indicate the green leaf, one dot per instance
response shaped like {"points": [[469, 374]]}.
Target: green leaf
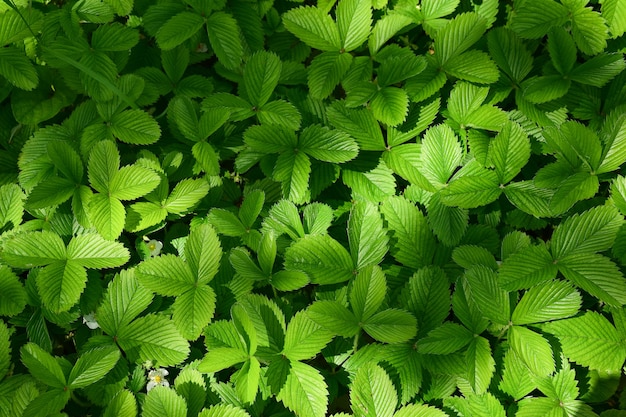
{"points": [[597, 275], [419, 410], [440, 154], [562, 50], [223, 32], [93, 365], [60, 284], [27, 250], [326, 72], [305, 392], [534, 19], [368, 292], [327, 145], [153, 338], [203, 253], [132, 182], [260, 76], [472, 191], [509, 53], [193, 310], [445, 339], [17, 68], [391, 326], [305, 338], [324, 259], [17, 24], [92, 251], [614, 140], [124, 299], [374, 185], [13, 296], [284, 218], [458, 35], [598, 70], [289, 280], [143, 215], [481, 365], [358, 123], [5, 349], [413, 243], [66, 160], [509, 151], [530, 266], [366, 236], [545, 88], [526, 196], [183, 111], [281, 113], [104, 162], [247, 380], [373, 393], [107, 214], [448, 223], [11, 205], [178, 29], [483, 288], [354, 20], [334, 317], [167, 275], [162, 401], [589, 340], [468, 256], [185, 195], [474, 66], [589, 232], [385, 28], [405, 160], [293, 169], [251, 208], [533, 349], [220, 358], [135, 127], [114, 37], [51, 192], [614, 12], [122, 405], [589, 31], [465, 107], [270, 139], [390, 105], [49, 403], [42, 365], [548, 301], [516, 380], [577, 187], [225, 103], [223, 410], [314, 27]]}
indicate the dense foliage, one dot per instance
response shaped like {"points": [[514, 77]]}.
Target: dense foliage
{"points": [[230, 208]]}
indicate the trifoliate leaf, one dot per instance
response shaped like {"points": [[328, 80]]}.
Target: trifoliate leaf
{"points": [[354, 20], [324, 259], [533, 349], [589, 340], [334, 317], [32, 249], [305, 392], [480, 364], [391, 326], [164, 401], [474, 66], [413, 243], [534, 19], [153, 338], [260, 77], [42, 365], [314, 27], [358, 123], [440, 154], [597, 275], [445, 339], [509, 53], [548, 301], [366, 236], [305, 338], [327, 145], [458, 35], [530, 266], [484, 289], [135, 127], [326, 72], [93, 365], [223, 32], [390, 105], [193, 310], [373, 393]]}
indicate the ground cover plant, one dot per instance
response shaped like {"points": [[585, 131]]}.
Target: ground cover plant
{"points": [[337, 208]]}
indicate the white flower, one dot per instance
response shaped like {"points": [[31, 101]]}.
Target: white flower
{"points": [[90, 321], [157, 377], [154, 246]]}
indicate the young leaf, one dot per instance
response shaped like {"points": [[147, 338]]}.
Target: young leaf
{"points": [[305, 392], [164, 401], [305, 338], [589, 340], [533, 349], [548, 301], [373, 392], [613, 13], [261, 75], [223, 32], [93, 365], [324, 259], [366, 236], [314, 27]]}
